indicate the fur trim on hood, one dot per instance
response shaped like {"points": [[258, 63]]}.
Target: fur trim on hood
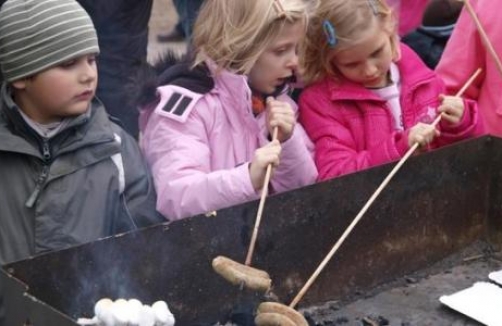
{"points": [[169, 70]]}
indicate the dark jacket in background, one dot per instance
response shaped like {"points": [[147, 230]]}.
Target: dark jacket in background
{"points": [[122, 27], [87, 182], [429, 43], [187, 14], [438, 22]]}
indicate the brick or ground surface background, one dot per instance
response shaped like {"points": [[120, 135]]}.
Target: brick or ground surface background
{"points": [[162, 21]]}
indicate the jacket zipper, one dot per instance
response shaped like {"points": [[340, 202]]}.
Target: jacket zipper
{"points": [[42, 178]]}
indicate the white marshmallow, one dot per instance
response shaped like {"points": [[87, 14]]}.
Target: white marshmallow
{"points": [[130, 313], [147, 316], [135, 310], [87, 321], [120, 312], [104, 303], [163, 316], [103, 311]]}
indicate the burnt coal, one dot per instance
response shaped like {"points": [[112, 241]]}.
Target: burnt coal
{"points": [[341, 320], [375, 321], [243, 314], [411, 280]]}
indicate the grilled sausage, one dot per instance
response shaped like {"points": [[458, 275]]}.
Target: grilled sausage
{"points": [[278, 308], [237, 274], [272, 319]]}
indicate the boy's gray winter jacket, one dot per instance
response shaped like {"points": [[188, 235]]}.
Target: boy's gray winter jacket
{"points": [[87, 182]]}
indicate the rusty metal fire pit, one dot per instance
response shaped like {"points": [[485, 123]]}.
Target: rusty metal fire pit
{"points": [[439, 204]]}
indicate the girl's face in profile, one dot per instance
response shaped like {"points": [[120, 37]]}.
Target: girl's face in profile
{"points": [[279, 60], [368, 61]]}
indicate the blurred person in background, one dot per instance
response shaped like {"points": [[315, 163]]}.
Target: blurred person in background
{"points": [[429, 39], [122, 27], [187, 13]]}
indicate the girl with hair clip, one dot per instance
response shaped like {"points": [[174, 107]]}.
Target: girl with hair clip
{"points": [[369, 98], [209, 137]]}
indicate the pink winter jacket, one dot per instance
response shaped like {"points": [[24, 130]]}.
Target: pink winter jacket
{"points": [[465, 53], [353, 129], [200, 152]]}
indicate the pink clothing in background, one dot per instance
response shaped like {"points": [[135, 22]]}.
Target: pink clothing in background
{"points": [[200, 159], [353, 129], [409, 13], [464, 53]]}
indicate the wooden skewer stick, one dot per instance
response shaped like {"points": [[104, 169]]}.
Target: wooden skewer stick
{"points": [[349, 229], [484, 36], [264, 193]]}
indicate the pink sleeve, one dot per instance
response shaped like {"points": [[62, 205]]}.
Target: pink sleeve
{"points": [[179, 156], [464, 53], [470, 126], [336, 149], [297, 167]]}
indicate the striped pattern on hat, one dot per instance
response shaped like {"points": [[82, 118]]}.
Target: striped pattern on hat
{"points": [[38, 34]]}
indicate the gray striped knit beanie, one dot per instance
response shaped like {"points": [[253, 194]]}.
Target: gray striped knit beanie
{"points": [[38, 34]]}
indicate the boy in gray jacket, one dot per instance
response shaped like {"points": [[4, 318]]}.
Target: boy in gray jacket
{"points": [[68, 174]]}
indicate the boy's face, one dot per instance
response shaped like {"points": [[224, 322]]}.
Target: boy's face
{"points": [[58, 92], [277, 63]]}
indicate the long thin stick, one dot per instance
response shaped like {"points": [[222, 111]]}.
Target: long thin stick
{"points": [[345, 234], [264, 193], [484, 36]]}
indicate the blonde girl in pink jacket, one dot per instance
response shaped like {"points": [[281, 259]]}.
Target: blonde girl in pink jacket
{"points": [[464, 53], [368, 98], [208, 137]]}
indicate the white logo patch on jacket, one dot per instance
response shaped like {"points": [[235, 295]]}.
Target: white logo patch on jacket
{"points": [[176, 102], [119, 163]]}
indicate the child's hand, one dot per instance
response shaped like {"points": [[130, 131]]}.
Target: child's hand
{"points": [[451, 109], [422, 133], [280, 114], [268, 154]]}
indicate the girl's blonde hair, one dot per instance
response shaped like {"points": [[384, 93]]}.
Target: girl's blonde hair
{"points": [[234, 33], [348, 21]]}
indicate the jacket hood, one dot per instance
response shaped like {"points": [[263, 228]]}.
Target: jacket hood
{"points": [[169, 70]]}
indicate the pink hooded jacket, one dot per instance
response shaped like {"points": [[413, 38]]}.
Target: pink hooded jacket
{"points": [[464, 53], [199, 147], [353, 129]]}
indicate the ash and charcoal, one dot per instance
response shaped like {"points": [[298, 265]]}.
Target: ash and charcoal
{"points": [[242, 314], [411, 300]]}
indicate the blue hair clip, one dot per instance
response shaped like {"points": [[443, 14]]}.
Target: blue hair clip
{"points": [[330, 33]]}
